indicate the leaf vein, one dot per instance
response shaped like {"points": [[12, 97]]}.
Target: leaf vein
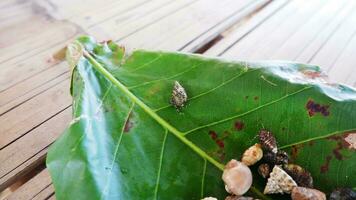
{"points": [[167, 78], [247, 112], [107, 184], [160, 163], [203, 181], [212, 89]]}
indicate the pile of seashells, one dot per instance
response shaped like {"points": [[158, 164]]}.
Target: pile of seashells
{"points": [[283, 177]]}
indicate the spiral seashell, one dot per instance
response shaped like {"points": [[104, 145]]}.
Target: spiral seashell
{"points": [[279, 182]]}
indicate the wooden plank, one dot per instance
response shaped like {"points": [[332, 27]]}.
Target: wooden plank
{"points": [[343, 70], [39, 187], [66, 9], [32, 86], [232, 35], [32, 61], [332, 40], [197, 43], [317, 28], [178, 29], [136, 19], [29, 151], [23, 118], [265, 43], [270, 34], [320, 40]]}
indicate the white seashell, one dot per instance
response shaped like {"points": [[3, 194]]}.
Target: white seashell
{"points": [[279, 182], [252, 155], [237, 177], [209, 198]]}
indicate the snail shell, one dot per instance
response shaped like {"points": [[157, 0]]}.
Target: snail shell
{"points": [[264, 170], [301, 176], [252, 155], [279, 182]]}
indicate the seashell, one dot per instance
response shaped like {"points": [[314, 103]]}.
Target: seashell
{"points": [[279, 182], [209, 198], [343, 194], [252, 155], [281, 158], [302, 193], [301, 176], [269, 157], [268, 141], [233, 197], [264, 170], [237, 177], [179, 96]]}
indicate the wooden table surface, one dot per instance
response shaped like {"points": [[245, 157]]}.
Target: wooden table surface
{"points": [[35, 105]]}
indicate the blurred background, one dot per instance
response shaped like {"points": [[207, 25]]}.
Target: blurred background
{"points": [[35, 104]]}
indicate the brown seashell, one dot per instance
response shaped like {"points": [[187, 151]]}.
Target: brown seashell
{"points": [[281, 158], [237, 177], [269, 157], [301, 176], [302, 193], [268, 141], [264, 170], [252, 155], [343, 194], [279, 182]]}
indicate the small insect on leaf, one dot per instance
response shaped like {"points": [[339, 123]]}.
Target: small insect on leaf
{"points": [[179, 96]]}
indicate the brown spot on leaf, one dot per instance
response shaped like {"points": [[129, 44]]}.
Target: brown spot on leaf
{"points": [[213, 135], [239, 125], [128, 124], [314, 108], [256, 98], [246, 97], [311, 143], [295, 151], [220, 143], [325, 167]]}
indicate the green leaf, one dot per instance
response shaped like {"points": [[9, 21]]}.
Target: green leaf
{"points": [[127, 142]]}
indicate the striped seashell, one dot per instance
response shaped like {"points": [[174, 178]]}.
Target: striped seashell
{"points": [[268, 141], [279, 182]]}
